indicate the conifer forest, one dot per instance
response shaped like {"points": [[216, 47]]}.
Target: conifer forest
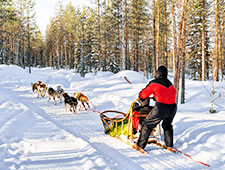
{"points": [[187, 36]]}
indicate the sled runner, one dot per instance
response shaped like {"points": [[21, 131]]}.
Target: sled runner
{"points": [[125, 127]]}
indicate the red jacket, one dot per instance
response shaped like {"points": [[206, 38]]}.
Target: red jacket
{"points": [[162, 89]]}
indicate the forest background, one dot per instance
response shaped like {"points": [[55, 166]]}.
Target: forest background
{"points": [[187, 36]]}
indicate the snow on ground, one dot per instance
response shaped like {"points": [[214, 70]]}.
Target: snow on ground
{"points": [[36, 134]]}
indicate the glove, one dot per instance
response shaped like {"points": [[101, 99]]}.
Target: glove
{"points": [[135, 105], [145, 102]]}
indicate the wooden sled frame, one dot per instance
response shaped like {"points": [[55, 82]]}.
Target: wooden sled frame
{"points": [[109, 121]]}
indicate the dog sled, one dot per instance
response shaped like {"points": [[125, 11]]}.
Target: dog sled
{"points": [[125, 126]]}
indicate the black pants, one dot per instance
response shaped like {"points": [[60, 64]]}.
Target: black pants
{"points": [[160, 112]]}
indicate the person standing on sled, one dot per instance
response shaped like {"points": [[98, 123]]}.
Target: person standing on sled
{"points": [[165, 107]]}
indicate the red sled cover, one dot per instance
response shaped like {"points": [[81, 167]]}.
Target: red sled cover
{"points": [[135, 120]]}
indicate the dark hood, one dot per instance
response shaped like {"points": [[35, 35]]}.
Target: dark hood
{"points": [[161, 72]]}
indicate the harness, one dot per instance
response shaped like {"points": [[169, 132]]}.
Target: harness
{"points": [[80, 96], [51, 91], [60, 91], [72, 102], [69, 99], [42, 85]]}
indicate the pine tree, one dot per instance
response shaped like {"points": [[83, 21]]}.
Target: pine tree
{"points": [[221, 20], [138, 15], [71, 34], [7, 18], [194, 39]]}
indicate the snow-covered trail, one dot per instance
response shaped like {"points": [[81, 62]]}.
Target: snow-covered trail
{"points": [[55, 141], [87, 127], [36, 134]]}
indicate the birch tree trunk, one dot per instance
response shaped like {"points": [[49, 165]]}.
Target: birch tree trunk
{"points": [[212, 100], [212, 91]]}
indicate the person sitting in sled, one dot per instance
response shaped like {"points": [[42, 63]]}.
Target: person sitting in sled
{"points": [[141, 107], [164, 110]]}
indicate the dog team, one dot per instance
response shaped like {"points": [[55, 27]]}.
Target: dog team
{"points": [[72, 101]]}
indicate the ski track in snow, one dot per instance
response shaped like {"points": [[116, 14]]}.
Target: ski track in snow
{"points": [[51, 136]]}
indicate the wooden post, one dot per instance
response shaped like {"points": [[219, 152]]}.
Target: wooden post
{"points": [[128, 126], [131, 125], [159, 129]]}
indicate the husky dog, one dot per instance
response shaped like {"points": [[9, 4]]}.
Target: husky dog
{"points": [[53, 93], [59, 90], [43, 88], [70, 101], [40, 88], [82, 98]]}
